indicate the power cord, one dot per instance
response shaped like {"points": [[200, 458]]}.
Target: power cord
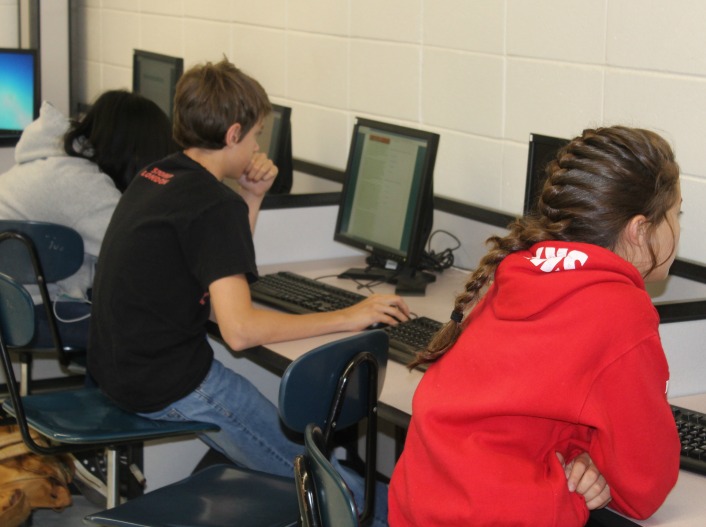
{"points": [[437, 262]]}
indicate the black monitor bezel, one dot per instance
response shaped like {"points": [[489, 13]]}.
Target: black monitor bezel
{"points": [[536, 176], [281, 154], [177, 64], [424, 205], [10, 137]]}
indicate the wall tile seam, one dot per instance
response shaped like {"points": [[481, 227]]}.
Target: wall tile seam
{"points": [[609, 67], [700, 178], [155, 16], [658, 73], [259, 27]]}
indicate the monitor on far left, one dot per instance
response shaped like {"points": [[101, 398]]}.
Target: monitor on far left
{"points": [[155, 76], [19, 92]]}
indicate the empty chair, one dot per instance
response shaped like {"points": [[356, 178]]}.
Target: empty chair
{"points": [[39, 253], [333, 386], [72, 420]]}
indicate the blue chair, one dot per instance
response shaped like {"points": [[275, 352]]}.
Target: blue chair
{"points": [[324, 499], [73, 420], [41, 253], [337, 386], [333, 386]]}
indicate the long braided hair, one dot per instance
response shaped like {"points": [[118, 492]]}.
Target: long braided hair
{"points": [[594, 186]]}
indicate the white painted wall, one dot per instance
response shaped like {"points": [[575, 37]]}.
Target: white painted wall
{"points": [[482, 73], [9, 29]]}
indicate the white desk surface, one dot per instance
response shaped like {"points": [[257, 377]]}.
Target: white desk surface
{"points": [[684, 507], [686, 504], [437, 304]]}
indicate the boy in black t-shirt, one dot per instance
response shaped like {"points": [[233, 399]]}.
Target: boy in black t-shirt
{"points": [[178, 249]]}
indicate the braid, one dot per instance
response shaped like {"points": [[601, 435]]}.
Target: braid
{"points": [[594, 186], [524, 232]]}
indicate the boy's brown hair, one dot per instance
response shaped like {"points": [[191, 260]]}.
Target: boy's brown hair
{"points": [[210, 98]]}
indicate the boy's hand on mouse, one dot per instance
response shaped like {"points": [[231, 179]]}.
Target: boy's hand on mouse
{"points": [[386, 309], [584, 478]]}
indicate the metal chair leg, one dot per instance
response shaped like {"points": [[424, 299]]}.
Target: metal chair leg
{"points": [[25, 373], [113, 477]]}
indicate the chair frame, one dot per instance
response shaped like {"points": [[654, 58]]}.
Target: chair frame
{"points": [[364, 357], [311, 487], [21, 417], [335, 416], [21, 313], [63, 353]]}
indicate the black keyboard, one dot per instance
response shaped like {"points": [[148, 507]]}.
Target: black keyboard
{"points": [[409, 337], [692, 433], [298, 294]]}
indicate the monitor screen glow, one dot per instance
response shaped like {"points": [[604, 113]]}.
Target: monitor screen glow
{"points": [[19, 92]]}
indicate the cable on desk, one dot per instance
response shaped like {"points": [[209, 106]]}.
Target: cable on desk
{"points": [[437, 262], [369, 284]]}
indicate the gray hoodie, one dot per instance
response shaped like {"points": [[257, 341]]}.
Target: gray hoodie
{"points": [[46, 184]]}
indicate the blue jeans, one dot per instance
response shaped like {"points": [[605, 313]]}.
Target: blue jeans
{"points": [[251, 433]]}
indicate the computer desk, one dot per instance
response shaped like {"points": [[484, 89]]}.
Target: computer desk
{"points": [[684, 507]]}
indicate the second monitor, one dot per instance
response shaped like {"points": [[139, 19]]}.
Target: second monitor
{"points": [[387, 202], [542, 149], [155, 76], [276, 141]]}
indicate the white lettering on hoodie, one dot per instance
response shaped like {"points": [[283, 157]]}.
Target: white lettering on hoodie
{"points": [[550, 259]]}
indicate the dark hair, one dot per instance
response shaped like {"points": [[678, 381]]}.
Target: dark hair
{"points": [[122, 132], [210, 98], [595, 186]]}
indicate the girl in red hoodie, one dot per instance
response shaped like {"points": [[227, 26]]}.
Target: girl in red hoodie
{"points": [[547, 393]]}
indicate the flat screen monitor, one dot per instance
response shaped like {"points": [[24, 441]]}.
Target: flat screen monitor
{"points": [[542, 149], [155, 76], [387, 202], [19, 92], [276, 141]]}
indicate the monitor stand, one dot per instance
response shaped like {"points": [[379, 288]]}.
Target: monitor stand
{"points": [[376, 274], [412, 282], [408, 281]]}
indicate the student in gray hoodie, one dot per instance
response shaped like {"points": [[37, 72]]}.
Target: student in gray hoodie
{"points": [[73, 173]]}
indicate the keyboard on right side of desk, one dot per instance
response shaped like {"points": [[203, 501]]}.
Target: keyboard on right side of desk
{"points": [[409, 337], [691, 426], [294, 293]]}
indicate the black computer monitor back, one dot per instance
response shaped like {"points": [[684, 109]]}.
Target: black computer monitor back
{"points": [[542, 149]]}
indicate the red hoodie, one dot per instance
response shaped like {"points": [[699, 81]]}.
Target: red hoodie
{"points": [[561, 355]]}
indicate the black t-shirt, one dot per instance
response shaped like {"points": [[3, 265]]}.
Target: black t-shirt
{"points": [[176, 230]]}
